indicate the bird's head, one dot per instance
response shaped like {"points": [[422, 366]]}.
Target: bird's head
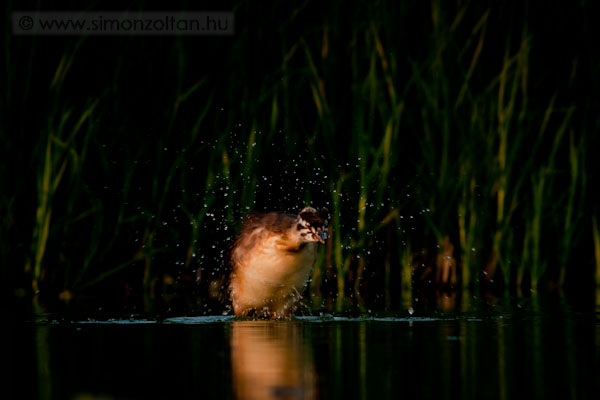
{"points": [[312, 224]]}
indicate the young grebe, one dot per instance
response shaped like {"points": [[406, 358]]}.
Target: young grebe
{"points": [[272, 259]]}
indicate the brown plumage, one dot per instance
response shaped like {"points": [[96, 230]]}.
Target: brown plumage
{"points": [[272, 259]]}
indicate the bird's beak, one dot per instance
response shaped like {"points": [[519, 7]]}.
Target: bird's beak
{"points": [[322, 236]]}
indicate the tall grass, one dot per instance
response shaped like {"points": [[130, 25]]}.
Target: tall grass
{"points": [[419, 127]]}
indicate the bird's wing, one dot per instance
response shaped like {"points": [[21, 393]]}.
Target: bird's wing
{"points": [[256, 227]]}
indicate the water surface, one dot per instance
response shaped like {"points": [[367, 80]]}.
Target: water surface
{"points": [[495, 355]]}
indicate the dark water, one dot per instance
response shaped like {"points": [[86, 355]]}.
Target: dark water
{"points": [[496, 354]]}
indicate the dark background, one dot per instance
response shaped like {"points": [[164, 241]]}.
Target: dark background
{"points": [[165, 143]]}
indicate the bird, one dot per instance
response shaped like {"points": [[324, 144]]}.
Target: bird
{"points": [[272, 259]]}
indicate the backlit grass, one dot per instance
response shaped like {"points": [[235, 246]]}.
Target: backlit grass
{"points": [[422, 128]]}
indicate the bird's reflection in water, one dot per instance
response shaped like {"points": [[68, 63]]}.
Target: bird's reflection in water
{"points": [[270, 360]]}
